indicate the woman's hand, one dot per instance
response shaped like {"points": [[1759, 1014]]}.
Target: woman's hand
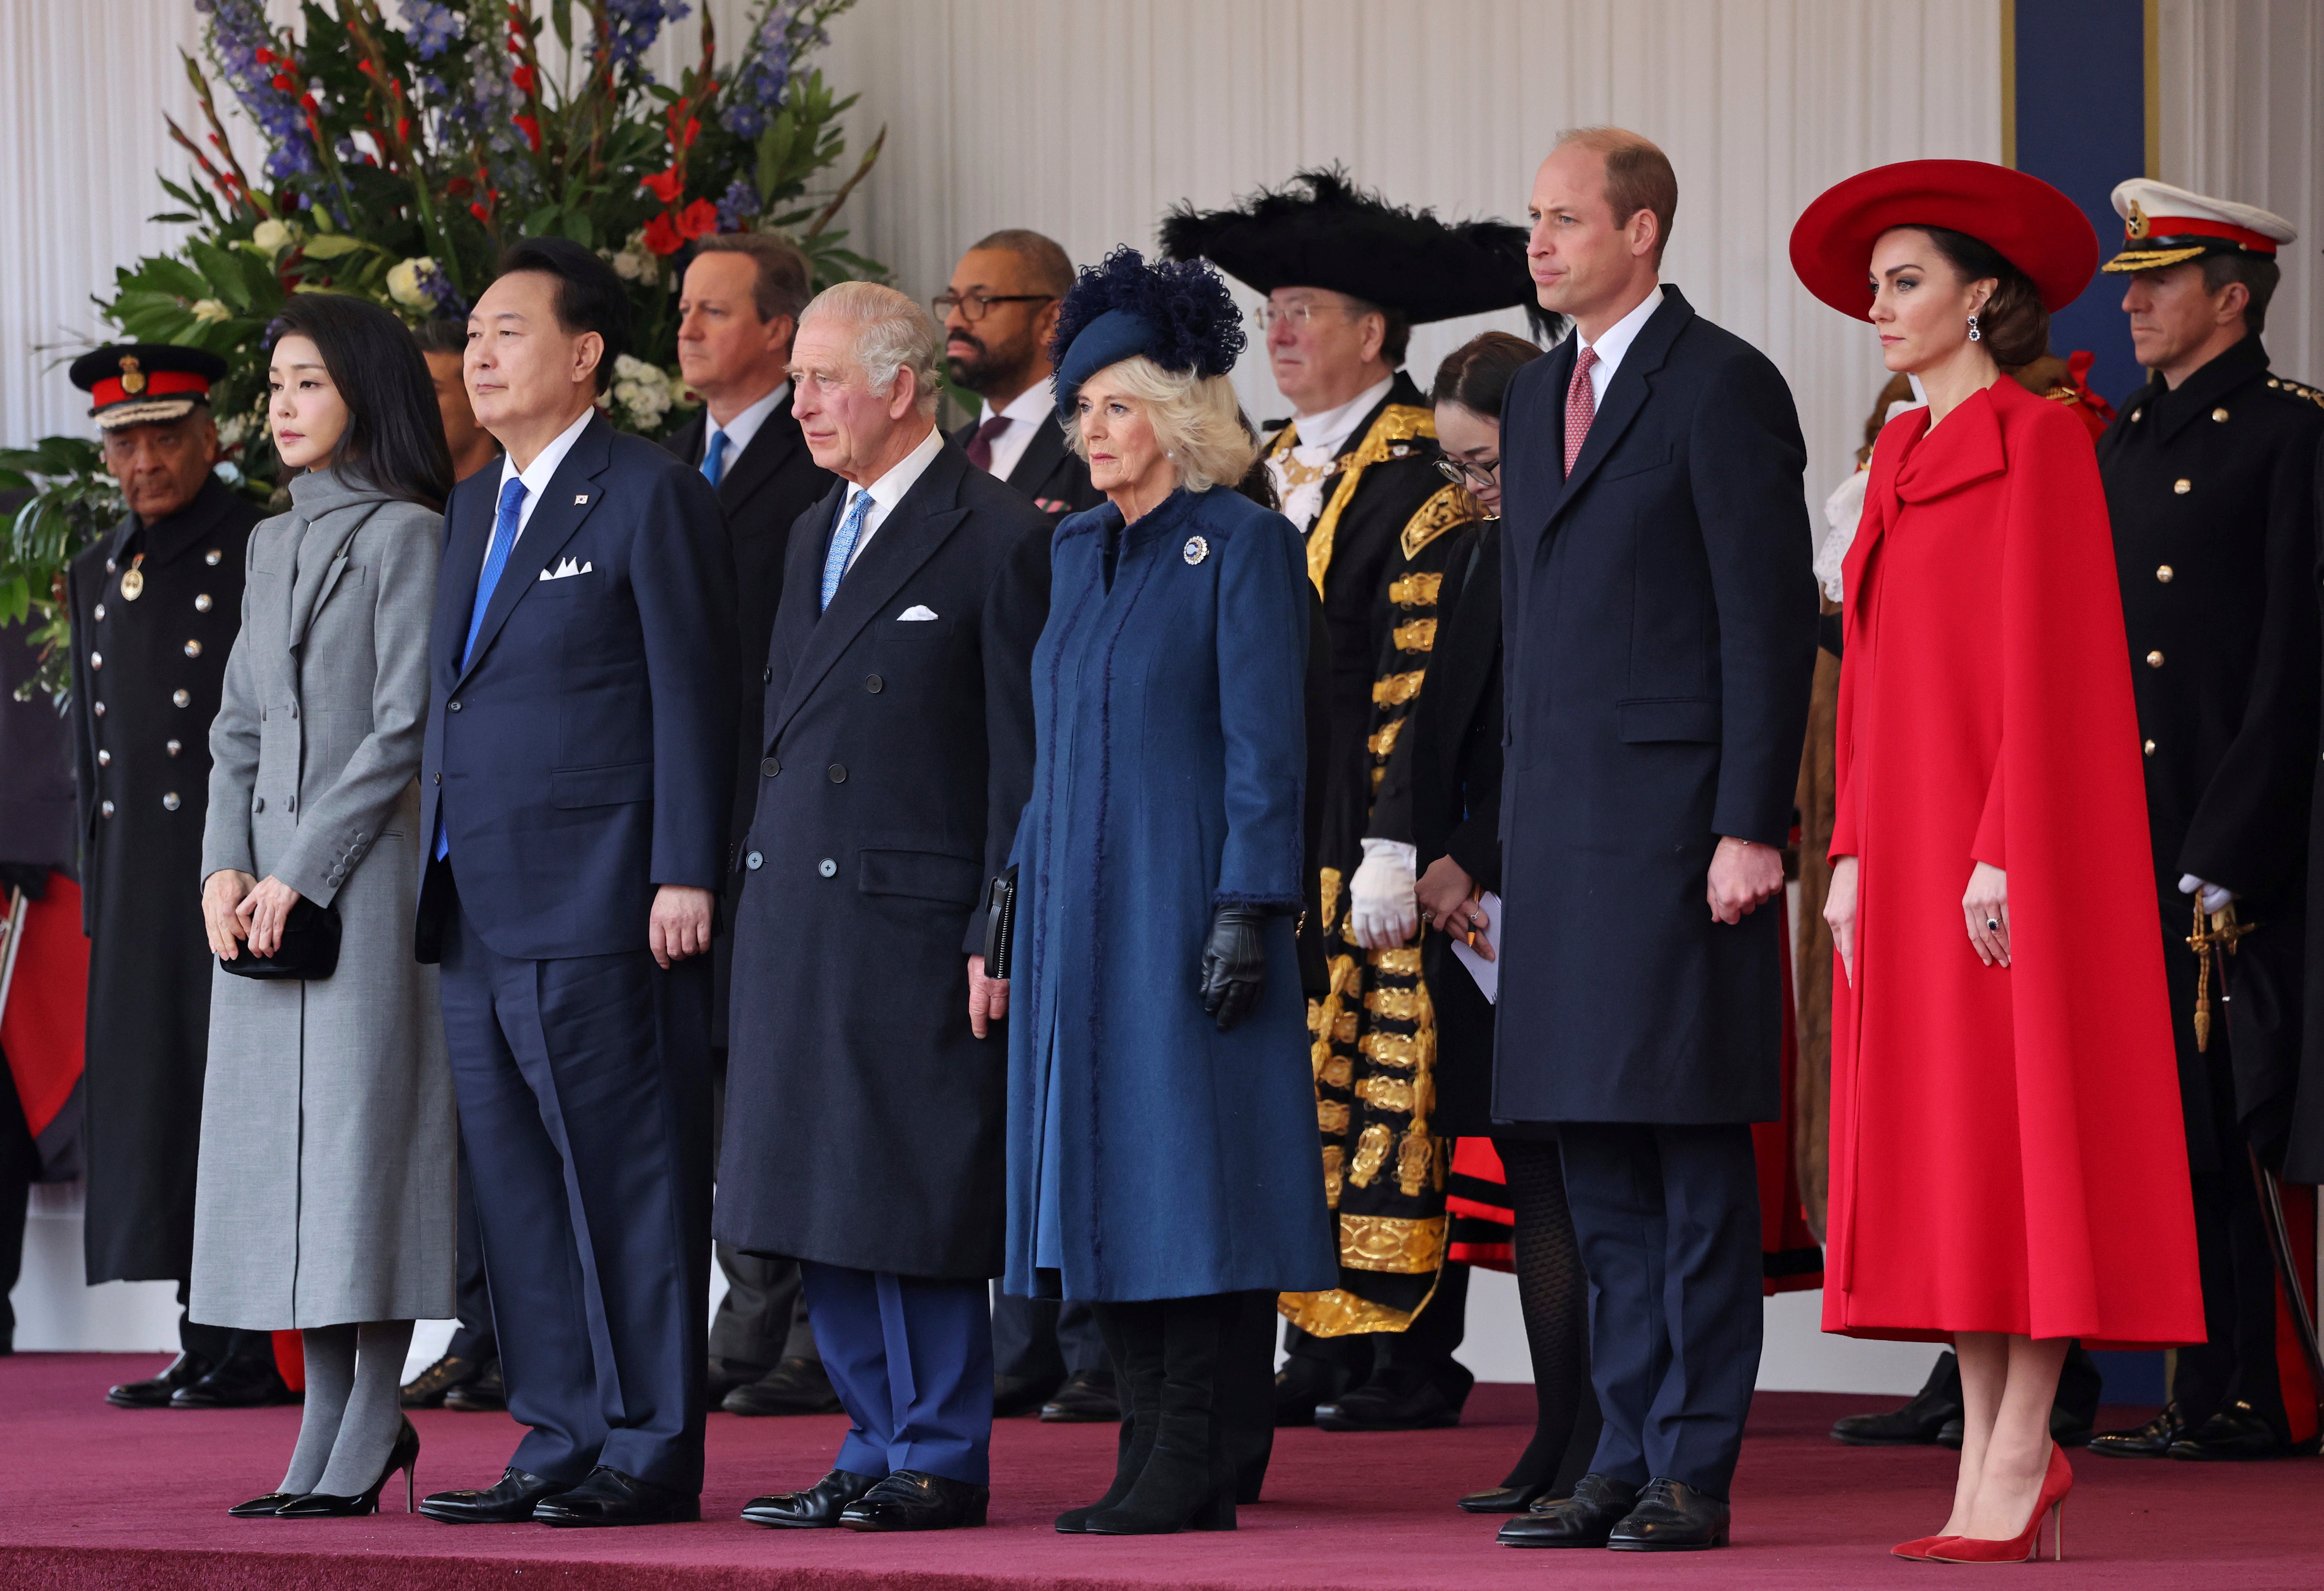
{"points": [[222, 892], [1234, 965], [1840, 914], [262, 913], [1446, 894], [1986, 907]]}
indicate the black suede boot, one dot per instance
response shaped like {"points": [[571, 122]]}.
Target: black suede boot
{"points": [[1187, 1481], [1133, 1341]]}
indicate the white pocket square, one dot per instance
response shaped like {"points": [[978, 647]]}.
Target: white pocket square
{"points": [[916, 614], [566, 569]]}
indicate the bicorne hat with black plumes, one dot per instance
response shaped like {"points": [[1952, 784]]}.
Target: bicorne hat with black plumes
{"points": [[1321, 230], [1178, 314]]}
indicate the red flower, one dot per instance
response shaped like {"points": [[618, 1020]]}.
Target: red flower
{"points": [[403, 129], [693, 130], [308, 102], [264, 56], [664, 186], [532, 125], [457, 187], [285, 81], [366, 69], [662, 236], [481, 213], [525, 79], [698, 220]]}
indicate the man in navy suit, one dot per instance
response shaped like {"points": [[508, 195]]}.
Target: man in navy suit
{"points": [[1659, 621], [575, 787]]}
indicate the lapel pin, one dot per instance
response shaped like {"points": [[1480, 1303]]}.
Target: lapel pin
{"points": [[1196, 549], [581, 500]]}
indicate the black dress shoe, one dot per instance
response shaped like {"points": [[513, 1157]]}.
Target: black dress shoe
{"points": [[816, 1509], [510, 1502], [795, 1386], [2068, 1427], [2237, 1432], [427, 1389], [914, 1500], [2150, 1440], [238, 1383], [488, 1394], [1670, 1517], [265, 1507], [609, 1497], [1917, 1423], [1503, 1499], [720, 1376], [1302, 1384], [156, 1392], [1586, 1519], [1949, 1435], [1021, 1395], [1087, 1398], [1378, 1405]]}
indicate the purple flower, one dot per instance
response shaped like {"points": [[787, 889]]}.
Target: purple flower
{"points": [[784, 33], [237, 33], [430, 27], [449, 304], [740, 203], [636, 25]]}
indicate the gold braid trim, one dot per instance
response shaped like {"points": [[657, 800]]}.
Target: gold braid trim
{"points": [[1449, 510], [1385, 1242], [1338, 1312], [1415, 591], [1399, 423]]}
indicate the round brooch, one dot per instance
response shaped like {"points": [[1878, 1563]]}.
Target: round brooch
{"points": [[1196, 549]]}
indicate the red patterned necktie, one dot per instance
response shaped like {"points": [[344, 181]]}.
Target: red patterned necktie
{"points": [[1580, 405], [979, 446]]}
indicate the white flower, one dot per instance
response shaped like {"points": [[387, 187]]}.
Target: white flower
{"points": [[403, 283], [232, 430], [643, 393], [210, 311], [275, 237], [635, 262]]}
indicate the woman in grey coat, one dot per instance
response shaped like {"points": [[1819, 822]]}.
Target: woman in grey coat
{"points": [[325, 1199]]}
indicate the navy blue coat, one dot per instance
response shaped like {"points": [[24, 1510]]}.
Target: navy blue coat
{"points": [[1170, 733], [1659, 626], [584, 756]]}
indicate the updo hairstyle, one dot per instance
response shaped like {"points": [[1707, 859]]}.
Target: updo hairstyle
{"points": [[2016, 327]]}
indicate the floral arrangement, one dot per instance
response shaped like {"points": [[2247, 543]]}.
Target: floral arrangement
{"points": [[403, 155]]}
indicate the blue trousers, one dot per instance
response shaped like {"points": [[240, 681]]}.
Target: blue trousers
{"points": [[1668, 1222], [584, 1109], [912, 1360]]}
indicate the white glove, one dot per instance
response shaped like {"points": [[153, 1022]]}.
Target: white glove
{"points": [[2214, 897], [1381, 908]]}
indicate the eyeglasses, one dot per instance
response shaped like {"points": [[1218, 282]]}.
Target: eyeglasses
{"points": [[1266, 316], [974, 306], [1477, 477]]}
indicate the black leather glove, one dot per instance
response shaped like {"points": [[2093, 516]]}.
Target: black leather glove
{"points": [[1234, 963]]}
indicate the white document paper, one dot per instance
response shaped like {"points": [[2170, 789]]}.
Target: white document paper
{"points": [[1488, 974]]}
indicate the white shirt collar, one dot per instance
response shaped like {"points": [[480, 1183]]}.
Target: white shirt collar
{"points": [[889, 489], [1026, 413], [1332, 426], [537, 474], [744, 426], [1616, 339], [1026, 406]]}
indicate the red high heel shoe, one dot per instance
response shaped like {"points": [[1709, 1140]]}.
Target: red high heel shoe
{"points": [[1917, 1549], [2026, 1545]]}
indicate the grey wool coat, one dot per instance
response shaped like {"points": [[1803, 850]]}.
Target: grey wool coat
{"points": [[325, 1189]]}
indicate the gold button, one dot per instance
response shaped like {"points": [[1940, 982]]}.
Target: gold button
{"points": [[2163, 572], [193, 649], [2221, 415], [2150, 748], [2182, 485], [2270, 380], [2154, 660], [202, 603], [2137, 415], [211, 558]]}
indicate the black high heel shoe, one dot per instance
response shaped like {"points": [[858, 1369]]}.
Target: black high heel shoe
{"points": [[265, 1507], [1512, 1499], [404, 1456]]}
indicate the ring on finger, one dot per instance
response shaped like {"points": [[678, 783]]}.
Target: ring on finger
{"points": [[1993, 925]]}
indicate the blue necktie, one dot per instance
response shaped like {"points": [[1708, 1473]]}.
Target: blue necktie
{"points": [[843, 545], [496, 557], [714, 457]]}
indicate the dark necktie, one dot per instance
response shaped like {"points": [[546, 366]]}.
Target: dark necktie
{"points": [[979, 446], [1580, 406]]}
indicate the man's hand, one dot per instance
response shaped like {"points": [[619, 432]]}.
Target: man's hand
{"points": [[680, 926], [1446, 896], [1743, 876], [988, 998], [222, 892], [262, 913]]}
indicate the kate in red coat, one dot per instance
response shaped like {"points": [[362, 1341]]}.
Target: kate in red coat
{"points": [[1999, 1028]]}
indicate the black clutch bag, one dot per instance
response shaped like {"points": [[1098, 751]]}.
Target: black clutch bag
{"points": [[1000, 924], [310, 950]]}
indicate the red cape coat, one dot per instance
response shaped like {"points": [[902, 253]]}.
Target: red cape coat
{"points": [[2007, 1147]]}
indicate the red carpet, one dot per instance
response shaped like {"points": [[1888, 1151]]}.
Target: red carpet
{"points": [[92, 1496]]}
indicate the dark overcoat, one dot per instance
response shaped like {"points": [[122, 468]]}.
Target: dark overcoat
{"points": [[863, 1119], [1169, 706], [147, 673], [761, 491], [1660, 626], [1048, 473], [2210, 492]]}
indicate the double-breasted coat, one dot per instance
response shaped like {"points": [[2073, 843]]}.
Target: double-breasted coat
{"points": [[1151, 1155], [147, 671], [326, 1193], [863, 1119], [1660, 633]]}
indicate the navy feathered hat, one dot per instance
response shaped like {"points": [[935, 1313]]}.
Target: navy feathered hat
{"points": [[1180, 315], [1321, 230]]}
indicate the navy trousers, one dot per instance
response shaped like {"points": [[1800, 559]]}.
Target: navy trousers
{"points": [[1668, 1221], [584, 1108], [912, 1360], [1042, 1339]]}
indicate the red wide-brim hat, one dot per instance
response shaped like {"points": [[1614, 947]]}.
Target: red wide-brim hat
{"points": [[2026, 221]]}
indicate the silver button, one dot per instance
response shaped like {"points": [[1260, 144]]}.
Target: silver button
{"points": [[105, 759], [454, 705], [2137, 415], [212, 557], [176, 746], [107, 808], [2150, 748], [110, 566], [98, 708], [96, 660], [202, 603], [755, 860], [827, 867], [182, 697], [170, 802], [193, 649], [837, 773], [100, 610]]}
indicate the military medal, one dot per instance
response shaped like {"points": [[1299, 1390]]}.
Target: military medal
{"points": [[133, 581]]}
